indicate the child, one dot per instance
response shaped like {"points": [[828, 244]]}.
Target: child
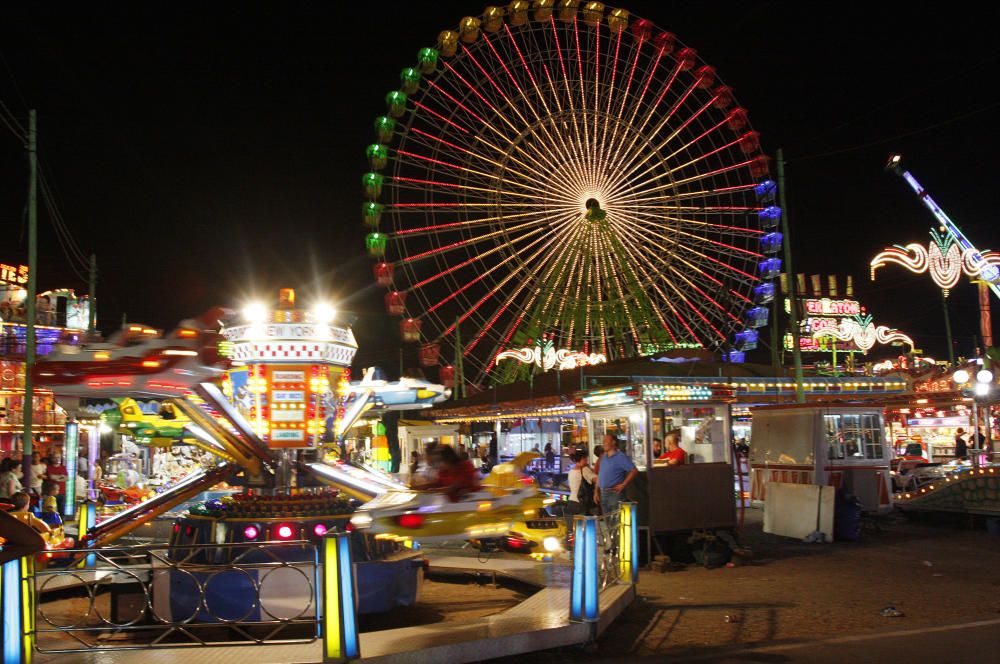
{"points": [[23, 513], [50, 506]]}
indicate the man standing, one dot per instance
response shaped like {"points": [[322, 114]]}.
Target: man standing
{"points": [[615, 473], [57, 473]]}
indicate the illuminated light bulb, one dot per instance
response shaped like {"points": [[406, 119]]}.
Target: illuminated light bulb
{"points": [[984, 376], [285, 531], [319, 529], [961, 376], [255, 312]]}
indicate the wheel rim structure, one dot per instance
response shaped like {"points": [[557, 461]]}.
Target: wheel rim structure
{"points": [[571, 173]]}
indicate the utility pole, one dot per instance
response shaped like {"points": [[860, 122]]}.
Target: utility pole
{"points": [[458, 391], [92, 323], [793, 317], [28, 407], [947, 329]]}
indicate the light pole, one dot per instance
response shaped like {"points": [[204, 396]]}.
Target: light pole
{"points": [[981, 389]]}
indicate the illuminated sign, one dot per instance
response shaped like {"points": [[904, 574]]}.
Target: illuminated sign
{"points": [[939, 385], [864, 333], [545, 355], [288, 376], [676, 393], [14, 276], [311, 331], [827, 307], [288, 416], [938, 422], [943, 258], [822, 344], [288, 395], [288, 435]]}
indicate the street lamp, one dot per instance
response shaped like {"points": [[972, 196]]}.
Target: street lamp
{"points": [[981, 394]]}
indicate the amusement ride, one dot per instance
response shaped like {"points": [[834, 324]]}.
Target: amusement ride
{"points": [[570, 173]]}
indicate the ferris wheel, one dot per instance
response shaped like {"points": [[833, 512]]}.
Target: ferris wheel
{"points": [[567, 172]]}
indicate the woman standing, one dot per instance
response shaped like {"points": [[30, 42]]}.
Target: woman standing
{"points": [[9, 482], [581, 490]]}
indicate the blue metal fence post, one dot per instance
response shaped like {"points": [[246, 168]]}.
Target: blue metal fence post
{"points": [[583, 599], [337, 611], [17, 607], [591, 582]]}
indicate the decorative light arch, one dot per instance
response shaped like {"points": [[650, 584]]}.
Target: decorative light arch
{"points": [[944, 259]]}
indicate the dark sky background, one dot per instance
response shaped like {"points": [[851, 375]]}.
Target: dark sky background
{"points": [[211, 152]]}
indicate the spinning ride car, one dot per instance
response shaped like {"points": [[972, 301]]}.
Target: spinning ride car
{"points": [[503, 509]]}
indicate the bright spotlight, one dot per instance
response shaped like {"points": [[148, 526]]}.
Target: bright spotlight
{"points": [[984, 376], [982, 389], [961, 376], [255, 312], [551, 544], [323, 314]]}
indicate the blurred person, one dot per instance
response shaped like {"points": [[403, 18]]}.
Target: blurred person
{"points": [[57, 472], [10, 483], [22, 512], [51, 511], [456, 477], [598, 453], [550, 456], [582, 481], [657, 448], [961, 448], [39, 465]]}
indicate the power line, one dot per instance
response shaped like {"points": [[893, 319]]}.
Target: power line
{"points": [[10, 120], [890, 139]]}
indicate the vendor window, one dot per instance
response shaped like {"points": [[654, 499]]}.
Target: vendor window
{"points": [[853, 436], [629, 431]]}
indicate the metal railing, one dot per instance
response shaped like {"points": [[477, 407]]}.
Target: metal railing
{"points": [[144, 597], [609, 568]]}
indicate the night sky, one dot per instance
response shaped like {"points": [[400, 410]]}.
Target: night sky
{"points": [[208, 154]]}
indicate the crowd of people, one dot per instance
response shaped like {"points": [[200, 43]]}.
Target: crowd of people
{"points": [[45, 488]]}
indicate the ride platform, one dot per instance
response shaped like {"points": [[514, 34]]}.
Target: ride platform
{"points": [[974, 491], [540, 622]]}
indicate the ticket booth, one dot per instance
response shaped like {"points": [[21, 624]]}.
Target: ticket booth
{"points": [[698, 494]]}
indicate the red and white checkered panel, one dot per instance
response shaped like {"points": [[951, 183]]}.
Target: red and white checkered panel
{"points": [[309, 351]]}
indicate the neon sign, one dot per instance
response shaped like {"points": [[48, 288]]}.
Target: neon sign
{"points": [[864, 333], [944, 259], [545, 355], [827, 307], [15, 276]]}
